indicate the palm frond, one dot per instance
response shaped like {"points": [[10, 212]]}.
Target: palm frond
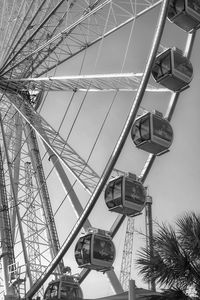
{"points": [[170, 294], [172, 263], [189, 233]]}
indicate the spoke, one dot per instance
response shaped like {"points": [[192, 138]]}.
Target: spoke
{"points": [[90, 83], [30, 196], [72, 160], [52, 43], [16, 24]]}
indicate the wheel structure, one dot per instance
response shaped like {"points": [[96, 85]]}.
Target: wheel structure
{"points": [[73, 75]]}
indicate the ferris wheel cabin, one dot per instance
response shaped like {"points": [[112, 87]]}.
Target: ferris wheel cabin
{"points": [[185, 14], [172, 70], [125, 195], [65, 288], [152, 133], [95, 251]]}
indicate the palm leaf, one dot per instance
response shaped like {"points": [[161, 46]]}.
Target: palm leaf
{"points": [[189, 233], [172, 263], [170, 294]]}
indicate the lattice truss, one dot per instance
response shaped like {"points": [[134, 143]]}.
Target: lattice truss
{"points": [[30, 228], [38, 36]]}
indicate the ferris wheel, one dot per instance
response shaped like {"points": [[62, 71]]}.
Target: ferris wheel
{"points": [[73, 77]]}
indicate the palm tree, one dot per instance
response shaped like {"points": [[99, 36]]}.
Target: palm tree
{"points": [[170, 294], [176, 256]]}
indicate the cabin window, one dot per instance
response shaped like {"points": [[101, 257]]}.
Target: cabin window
{"points": [[182, 64], [132, 192], [135, 133], [128, 189], [162, 129], [145, 129], [109, 191], [52, 291], [113, 193], [164, 66], [179, 6], [138, 193], [103, 249], [117, 192], [195, 5], [68, 292], [86, 248], [47, 293], [176, 7], [141, 130], [78, 253]]}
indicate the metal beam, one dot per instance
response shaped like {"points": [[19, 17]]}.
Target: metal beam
{"points": [[83, 83], [119, 146]]}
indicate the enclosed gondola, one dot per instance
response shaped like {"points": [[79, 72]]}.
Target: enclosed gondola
{"points": [[95, 250], [172, 70], [185, 14], [125, 195], [64, 288], [152, 133]]}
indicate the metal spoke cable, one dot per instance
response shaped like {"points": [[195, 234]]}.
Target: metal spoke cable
{"points": [[95, 65], [67, 109], [86, 92], [8, 24], [75, 181], [9, 47], [123, 64], [4, 43], [48, 175], [97, 58], [35, 32], [1, 18], [22, 145], [72, 97], [107, 114], [130, 35], [91, 152]]}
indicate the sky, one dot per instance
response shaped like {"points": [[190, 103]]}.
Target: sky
{"points": [[173, 181]]}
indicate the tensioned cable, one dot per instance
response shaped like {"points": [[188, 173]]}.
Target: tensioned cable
{"points": [[69, 104], [48, 175], [67, 194], [108, 112], [12, 117], [22, 143], [117, 151], [97, 58], [61, 126], [109, 109], [41, 106], [21, 147], [95, 65], [55, 69], [13, 27], [72, 97], [2, 14], [20, 27], [10, 75], [8, 24], [79, 110]]}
